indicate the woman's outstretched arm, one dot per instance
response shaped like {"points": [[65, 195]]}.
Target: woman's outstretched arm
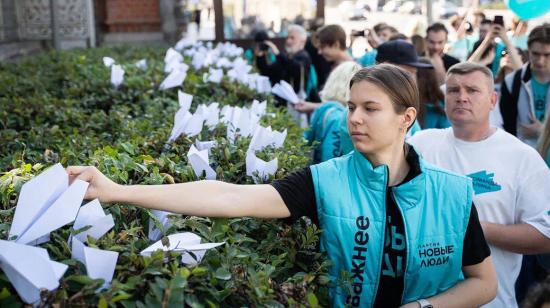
{"points": [[202, 198]]}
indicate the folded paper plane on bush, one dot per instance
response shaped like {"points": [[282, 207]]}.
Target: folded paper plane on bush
{"points": [[100, 264], [213, 75], [172, 59], [92, 215], [175, 78], [46, 203], [205, 145], [285, 91], [199, 163], [259, 169], [117, 75], [142, 64], [264, 136], [154, 233], [184, 100], [29, 269], [189, 244], [108, 61]]}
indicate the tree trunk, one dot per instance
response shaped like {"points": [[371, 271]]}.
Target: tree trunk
{"points": [[168, 20]]}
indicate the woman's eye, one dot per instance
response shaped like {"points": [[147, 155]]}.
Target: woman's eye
{"points": [[371, 109]]}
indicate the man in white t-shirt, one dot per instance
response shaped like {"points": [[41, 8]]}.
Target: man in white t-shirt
{"points": [[511, 181]]}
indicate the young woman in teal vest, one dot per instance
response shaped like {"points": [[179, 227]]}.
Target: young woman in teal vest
{"points": [[399, 231]]}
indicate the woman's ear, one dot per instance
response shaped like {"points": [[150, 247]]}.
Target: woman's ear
{"points": [[408, 117]]}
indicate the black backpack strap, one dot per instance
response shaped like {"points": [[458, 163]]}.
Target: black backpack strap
{"points": [[509, 104]]}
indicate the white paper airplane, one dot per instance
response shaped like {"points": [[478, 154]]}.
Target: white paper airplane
{"points": [[258, 108], [154, 233], [174, 79], [142, 64], [100, 264], [29, 269], [107, 61], [185, 100], [214, 75], [92, 214], [205, 145], [199, 163], [117, 75], [186, 243], [45, 204], [264, 137], [259, 169]]}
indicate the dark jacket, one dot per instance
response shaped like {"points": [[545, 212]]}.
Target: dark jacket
{"points": [[286, 68]]}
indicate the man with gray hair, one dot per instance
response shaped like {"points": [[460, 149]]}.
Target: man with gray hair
{"points": [[511, 181], [292, 65]]}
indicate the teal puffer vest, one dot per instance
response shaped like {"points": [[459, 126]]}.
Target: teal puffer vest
{"points": [[435, 206]]}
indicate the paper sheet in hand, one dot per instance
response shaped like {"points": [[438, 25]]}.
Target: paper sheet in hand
{"points": [[117, 75], [46, 204], [285, 91], [183, 242], [92, 214], [100, 264], [258, 169], [199, 163], [29, 269]]}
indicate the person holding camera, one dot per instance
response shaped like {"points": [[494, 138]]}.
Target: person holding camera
{"points": [[376, 36], [292, 65], [488, 52]]}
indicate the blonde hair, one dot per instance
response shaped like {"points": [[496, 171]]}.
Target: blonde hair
{"points": [[337, 85], [544, 140]]}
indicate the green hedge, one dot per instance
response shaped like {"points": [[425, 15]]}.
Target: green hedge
{"points": [[61, 107]]}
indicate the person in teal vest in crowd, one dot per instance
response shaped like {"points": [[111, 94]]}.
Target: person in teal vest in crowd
{"points": [[324, 124], [432, 99], [399, 232]]}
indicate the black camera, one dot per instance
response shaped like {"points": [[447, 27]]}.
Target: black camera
{"points": [[358, 33], [260, 37], [263, 46]]}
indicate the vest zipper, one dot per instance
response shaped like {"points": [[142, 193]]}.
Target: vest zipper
{"points": [[407, 250], [381, 258]]}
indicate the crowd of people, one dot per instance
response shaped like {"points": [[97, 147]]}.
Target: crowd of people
{"points": [[430, 176]]}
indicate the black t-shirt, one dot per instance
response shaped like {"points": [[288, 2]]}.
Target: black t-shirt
{"points": [[449, 61], [298, 193]]}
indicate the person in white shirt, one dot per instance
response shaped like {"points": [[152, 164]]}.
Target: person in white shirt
{"points": [[511, 181]]}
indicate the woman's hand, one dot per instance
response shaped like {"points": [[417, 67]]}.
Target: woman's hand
{"points": [[100, 187], [306, 107]]}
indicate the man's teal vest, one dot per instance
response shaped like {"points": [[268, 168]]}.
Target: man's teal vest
{"points": [[351, 205]]}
